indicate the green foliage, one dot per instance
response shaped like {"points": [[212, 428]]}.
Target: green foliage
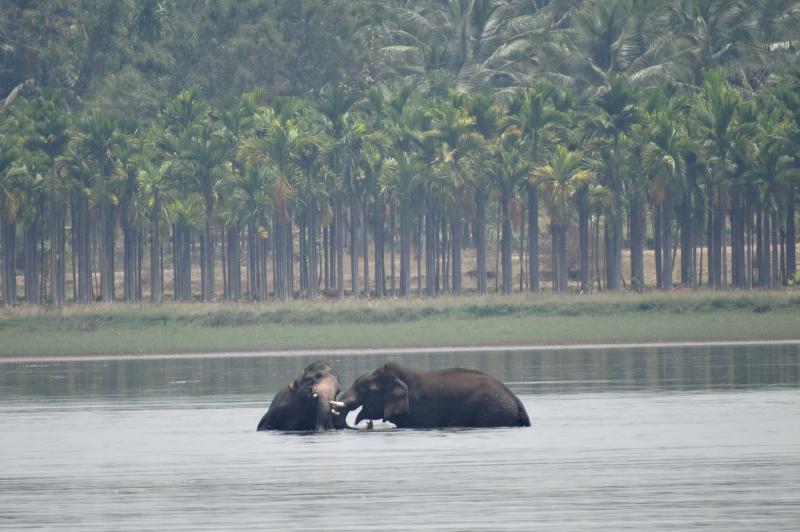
{"points": [[228, 112]]}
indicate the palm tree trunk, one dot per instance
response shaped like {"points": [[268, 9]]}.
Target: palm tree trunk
{"points": [[289, 259], [455, 242], [302, 247], [107, 254], [563, 271], [687, 246], [311, 219], [58, 254], [392, 225], [252, 251], [326, 271], [30, 238], [128, 257], [155, 263], [611, 233], [480, 202], [339, 245], [636, 223], [8, 241], [533, 238], [405, 250], [354, 250], [418, 243], [666, 242], [380, 252], [658, 247], [82, 247], [207, 264], [430, 259], [234, 272], [506, 244], [791, 234], [365, 246], [774, 274], [760, 255], [719, 250]]}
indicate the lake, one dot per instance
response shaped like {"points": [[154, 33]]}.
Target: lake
{"points": [[667, 438]]}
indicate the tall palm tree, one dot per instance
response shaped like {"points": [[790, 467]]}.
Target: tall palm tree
{"points": [[377, 169], [508, 170], [100, 139], [185, 213], [610, 127], [717, 115], [403, 186], [154, 182], [459, 143], [334, 104], [561, 182], [662, 157], [459, 45], [533, 112], [204, 151], [489, 123], [787, 91]]}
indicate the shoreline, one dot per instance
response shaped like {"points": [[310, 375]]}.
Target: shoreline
{"points": [[386, 351]]}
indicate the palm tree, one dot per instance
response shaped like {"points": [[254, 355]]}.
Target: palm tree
{"points": [[377, 169], [250, 203], [610, 126], [403, 186], [100, 139], [663, 159], [460, 45], [205, 152], [154, 181], [42, 130], [717, 115], [772, 171], [561, 181], [276, 149], [489, 123], [787, 91], [8, 214], [459, 142], [334, 104], [507, 169], [185, 213], [533, 112]]}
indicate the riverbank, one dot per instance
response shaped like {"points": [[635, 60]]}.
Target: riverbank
{"points": [[359, 324]]}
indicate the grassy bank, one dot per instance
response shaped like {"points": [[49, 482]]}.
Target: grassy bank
{"points": [[603, 318]]}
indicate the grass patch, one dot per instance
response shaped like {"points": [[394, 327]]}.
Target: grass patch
{"points": [[494, 320]]}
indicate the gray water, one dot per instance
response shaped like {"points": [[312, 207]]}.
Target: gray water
{"points": [[625, 439]]}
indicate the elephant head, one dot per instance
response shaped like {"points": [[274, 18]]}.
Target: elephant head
{"points": [[304, 403], [318, 384], [382, 394]]}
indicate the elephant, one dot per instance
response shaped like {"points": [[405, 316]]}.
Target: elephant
{"points": [[303, 404], [454, 397]]}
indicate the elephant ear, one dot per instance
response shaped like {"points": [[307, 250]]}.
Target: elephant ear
{"points": [[395, 399]]}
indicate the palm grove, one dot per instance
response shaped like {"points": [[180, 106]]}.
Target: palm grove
{"points": [[254, 150]]}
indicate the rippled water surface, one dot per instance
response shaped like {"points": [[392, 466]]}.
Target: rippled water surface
{"points": [[627, 439]]}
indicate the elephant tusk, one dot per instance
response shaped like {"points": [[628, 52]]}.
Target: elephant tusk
{"points": [[315, 395], [335, 412], [337, 404]]}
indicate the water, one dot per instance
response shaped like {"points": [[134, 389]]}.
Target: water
{"points": [[626, 439]]}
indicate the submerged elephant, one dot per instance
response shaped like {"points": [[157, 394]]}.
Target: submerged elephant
{"points": [[453, 397], [304, 403]]}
